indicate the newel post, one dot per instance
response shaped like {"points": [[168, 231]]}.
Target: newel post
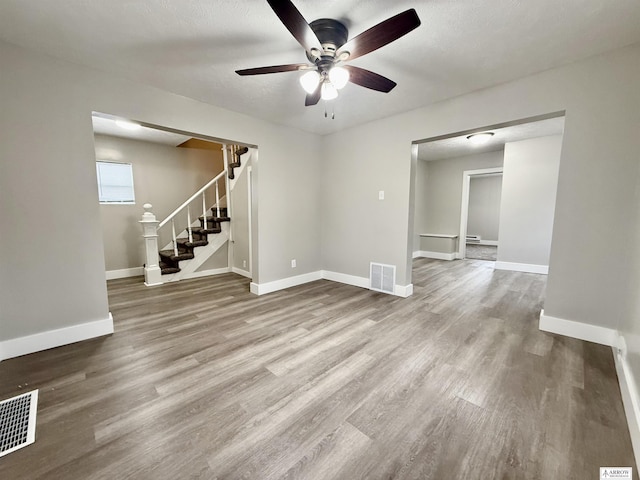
{"points": [[152, 272]]}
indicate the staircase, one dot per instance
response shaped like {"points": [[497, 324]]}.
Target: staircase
{"points": [[200, 239], [236, 161], [170, 262]]}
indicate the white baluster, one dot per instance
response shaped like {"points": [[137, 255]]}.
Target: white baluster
{"points": [[204, 210], [189, 222], [175, 241], [217, 201]]}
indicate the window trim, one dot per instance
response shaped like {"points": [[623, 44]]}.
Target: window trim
{"points": [[99, 183]]}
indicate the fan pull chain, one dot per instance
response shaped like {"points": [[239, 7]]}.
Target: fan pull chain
{"points": [[333, 111]]}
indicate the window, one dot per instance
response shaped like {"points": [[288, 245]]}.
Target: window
{"points": [[115, 183]]}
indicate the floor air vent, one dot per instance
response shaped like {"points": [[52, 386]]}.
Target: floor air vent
{"points": [[382, 278], [18, 422]]}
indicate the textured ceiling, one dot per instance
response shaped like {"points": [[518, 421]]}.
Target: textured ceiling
{"points": [[192, 48], [459, 146]]}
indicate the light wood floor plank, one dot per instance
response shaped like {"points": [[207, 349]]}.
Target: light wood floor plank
{"points": [[203, 380]]}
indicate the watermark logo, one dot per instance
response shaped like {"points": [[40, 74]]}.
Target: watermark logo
{"points": [[608, 473]]}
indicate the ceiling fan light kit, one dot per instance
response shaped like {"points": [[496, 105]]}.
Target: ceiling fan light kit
{"points": [[339, 77], [310, 81], [327, 47], [329, 91]]}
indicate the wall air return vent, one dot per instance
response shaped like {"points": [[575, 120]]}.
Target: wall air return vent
{"points": [[382, 278]]}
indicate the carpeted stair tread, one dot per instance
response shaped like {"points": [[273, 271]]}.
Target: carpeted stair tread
{"points": [[196, 243], [169, 261], [215, 219], [223, 211], [172, 257], [237, 163], [167, 269], [211, 228]]}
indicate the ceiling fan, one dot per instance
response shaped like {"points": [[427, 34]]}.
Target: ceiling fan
{"points": [[327, 47]]}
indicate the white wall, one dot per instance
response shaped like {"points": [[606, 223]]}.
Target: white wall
{"points": [[439, 184], [587, 280], [164, 176], [444, 188], [483, 219], [51, 249], [420, 224], [240, 221], [529, 185], [629, 326]]}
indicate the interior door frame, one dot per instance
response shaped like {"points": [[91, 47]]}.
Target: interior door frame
{"points": [[250, 216], [464, 207]]}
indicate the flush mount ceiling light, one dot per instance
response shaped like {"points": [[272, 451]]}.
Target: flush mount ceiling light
{"points": [[128, 125], [479, 138]]}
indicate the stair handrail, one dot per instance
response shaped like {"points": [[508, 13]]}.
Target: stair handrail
{"points": [[191, 199]]}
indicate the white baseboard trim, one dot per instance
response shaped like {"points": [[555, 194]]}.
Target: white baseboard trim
{"points": [[16, 347], [579, 330], [630, 398], [124, 273], [264, 288], [362, 282], [205, 273], [522, 267], [489, 243], [435, 255], [403, 291], [626, 381], [239, 271]]}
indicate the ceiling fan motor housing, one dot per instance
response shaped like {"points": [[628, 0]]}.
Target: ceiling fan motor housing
{"points": [[332, 34]]}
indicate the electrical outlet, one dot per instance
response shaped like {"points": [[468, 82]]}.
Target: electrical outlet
{"points": [[244, 264], [381, 195], [293, 263]]}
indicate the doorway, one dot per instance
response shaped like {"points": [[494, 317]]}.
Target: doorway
{"points": [[194, 183], [480, 214], [527, 154]]}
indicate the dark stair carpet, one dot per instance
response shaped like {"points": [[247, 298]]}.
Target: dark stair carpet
{"points": [[236, 162], [170, 262]]}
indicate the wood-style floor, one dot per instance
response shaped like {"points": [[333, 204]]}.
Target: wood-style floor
{"points": [[203, 380]]}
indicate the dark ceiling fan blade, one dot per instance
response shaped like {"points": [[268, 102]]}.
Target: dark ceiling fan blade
{"points": [[296, 24], [273, 69], [313, 98], [369, 79], [382, 34]]}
